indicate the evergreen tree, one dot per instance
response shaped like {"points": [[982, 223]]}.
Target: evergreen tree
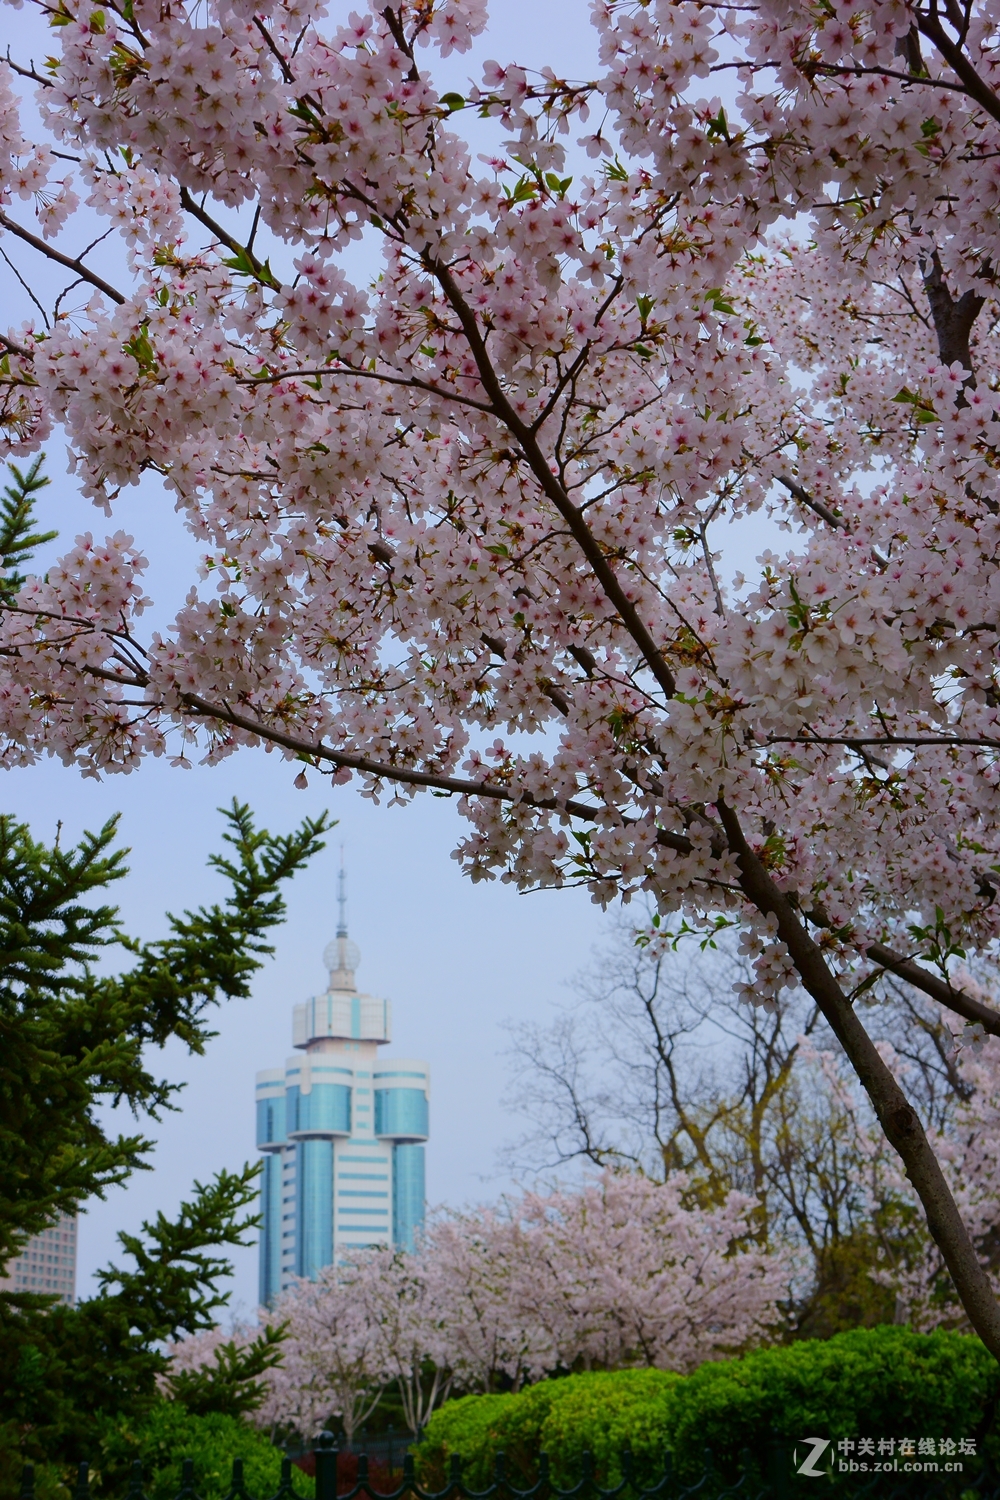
{"points": [[72, 1041], [18, 538]]}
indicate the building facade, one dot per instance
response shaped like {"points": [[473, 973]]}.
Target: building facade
{"points": [[47, 1263], [342, 1131]]}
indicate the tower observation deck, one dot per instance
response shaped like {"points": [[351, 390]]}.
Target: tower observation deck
{"points": [[342, 1131]]}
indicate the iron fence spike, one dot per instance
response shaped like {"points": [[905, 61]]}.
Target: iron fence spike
{"points": [[326, 1455]]}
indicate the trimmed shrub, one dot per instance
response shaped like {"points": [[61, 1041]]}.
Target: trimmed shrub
{"points": [[877, 1382], [870, 1382], [479, 1427], [170, 1434], [616, 1410], [624, 1409]]}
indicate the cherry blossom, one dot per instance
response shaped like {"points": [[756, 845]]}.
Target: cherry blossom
{"points": [[623, 1272], [460, 524]]}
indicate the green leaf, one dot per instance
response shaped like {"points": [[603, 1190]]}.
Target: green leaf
{"points": [[719, 301], [523, 190], [557, 185], [140, 346], [718, 127], [242, 262], [452, 102]]}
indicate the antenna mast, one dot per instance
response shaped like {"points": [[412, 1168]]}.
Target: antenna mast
{"points": [[342, 897]]}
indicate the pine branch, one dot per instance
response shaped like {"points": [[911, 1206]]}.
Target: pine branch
{"points": [[232, 1384], [173, 1288], [18, 539]]}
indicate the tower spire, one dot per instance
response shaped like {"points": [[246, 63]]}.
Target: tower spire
{"points": [[342, 897], [342, 956]]}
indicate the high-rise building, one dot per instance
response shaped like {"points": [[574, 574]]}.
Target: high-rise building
{"points": [[342, 1130], [47, 1263]]}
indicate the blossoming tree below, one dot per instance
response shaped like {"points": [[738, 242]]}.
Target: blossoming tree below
{"points": [[458, 526], [622, 1273]]}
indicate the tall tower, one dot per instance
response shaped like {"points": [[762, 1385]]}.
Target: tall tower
{"points": [[343, 1133]]}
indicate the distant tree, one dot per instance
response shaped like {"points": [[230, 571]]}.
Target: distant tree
{"points": [[657, 1066], [73, 1041], [623, 1273]]}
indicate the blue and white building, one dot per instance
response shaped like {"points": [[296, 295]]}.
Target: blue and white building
{"points": [[343, 1132]]}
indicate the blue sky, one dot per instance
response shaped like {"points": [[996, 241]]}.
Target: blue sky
{"points": [[454, 958]]}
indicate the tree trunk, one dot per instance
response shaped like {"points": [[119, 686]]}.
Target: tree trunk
{"points": [[898, 1118]]}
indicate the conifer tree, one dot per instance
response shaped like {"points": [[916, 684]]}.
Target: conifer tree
{"points": [[73, 1041]]}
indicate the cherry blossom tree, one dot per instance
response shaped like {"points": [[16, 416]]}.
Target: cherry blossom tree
{"points": [[460, 528], [657, 1066], [396, 1296], [622, 1273], [332, 1365], [479, 1265], [625, 1272]]}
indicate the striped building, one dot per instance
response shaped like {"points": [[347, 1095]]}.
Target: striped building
{"points": [[47, 1264], [342, 1131]]}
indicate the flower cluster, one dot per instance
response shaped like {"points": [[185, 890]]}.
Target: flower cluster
{"points": [[772, 965], [483, 494], [622, 1273]]}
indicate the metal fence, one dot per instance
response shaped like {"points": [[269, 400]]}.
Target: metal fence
{"points": [[776, 1479]]}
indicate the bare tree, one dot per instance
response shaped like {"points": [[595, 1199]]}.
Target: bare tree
{"points": [[656, 1066]]}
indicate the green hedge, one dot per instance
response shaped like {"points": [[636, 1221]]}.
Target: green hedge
{"points": [[614, 1410], [169, 1435], [877, 1382]]}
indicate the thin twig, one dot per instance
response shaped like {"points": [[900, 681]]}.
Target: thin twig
{"points": [[51, 253]]}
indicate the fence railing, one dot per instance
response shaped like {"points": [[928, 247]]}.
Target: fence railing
{"points": [[775, 1480]]}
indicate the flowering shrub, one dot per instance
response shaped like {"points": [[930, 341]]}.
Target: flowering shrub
{"points": [[459, 528]]}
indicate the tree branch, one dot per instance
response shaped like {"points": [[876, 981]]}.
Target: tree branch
{"points": [[550, 485], [938, 989], [84, 272], [930, 27], [896, 1114]]}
